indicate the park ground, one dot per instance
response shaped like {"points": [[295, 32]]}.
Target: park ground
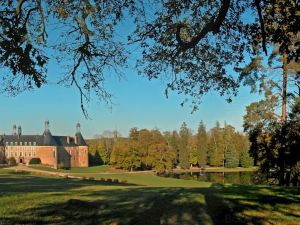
{"points": [[101, 195]]}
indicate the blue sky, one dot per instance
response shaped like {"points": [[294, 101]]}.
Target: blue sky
{"points": [[138, 102]]}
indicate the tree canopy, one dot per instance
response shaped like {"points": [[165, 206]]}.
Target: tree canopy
{"points": [[192, 42]]}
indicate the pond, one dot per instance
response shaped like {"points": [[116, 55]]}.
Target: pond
{"points": [[246, 178]]}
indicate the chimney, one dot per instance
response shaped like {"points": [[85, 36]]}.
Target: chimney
{"points": [[14, 130], [68, 139], [76, 139], [19, 131]]}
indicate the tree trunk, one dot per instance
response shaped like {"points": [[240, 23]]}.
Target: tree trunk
{"points": [[284, 89], [282, 170]]}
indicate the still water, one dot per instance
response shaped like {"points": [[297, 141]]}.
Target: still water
{"points": [[216, 177]]}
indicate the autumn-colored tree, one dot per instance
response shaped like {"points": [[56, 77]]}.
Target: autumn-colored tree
{"points": [[162, 157]]}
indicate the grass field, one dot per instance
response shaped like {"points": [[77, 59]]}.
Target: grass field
{"points": [[144, 199], [93, 169]]}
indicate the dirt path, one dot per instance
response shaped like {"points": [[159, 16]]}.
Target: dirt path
{"points": [[59, 173], [25, 168]]}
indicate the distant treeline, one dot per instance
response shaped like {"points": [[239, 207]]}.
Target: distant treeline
{"points": [[151, 149]]}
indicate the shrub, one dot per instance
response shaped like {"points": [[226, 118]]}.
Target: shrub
{"points": [[91, 178], [12, 161], [116, 181], [109, 180], [102, 179], [35, 161], [124, 181]]}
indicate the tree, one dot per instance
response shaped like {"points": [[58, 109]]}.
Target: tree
{"points": [[274, 146], [184, 134], [216, 149], [231, 160], [175, 143], [84, 43], [194, 155], [197, 40], [202, 144], [246, 161], [162, 157], [192, 41], [126, 154]]}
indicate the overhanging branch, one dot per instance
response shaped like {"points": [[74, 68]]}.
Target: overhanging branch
{"points": [[212, 26]]}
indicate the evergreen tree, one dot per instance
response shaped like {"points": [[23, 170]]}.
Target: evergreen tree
{"points": [[231, 160], [246, 161], [184, 134], [202, 144]]}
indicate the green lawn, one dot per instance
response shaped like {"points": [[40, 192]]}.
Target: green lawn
{"points": [[145, 199], [92, 169]]}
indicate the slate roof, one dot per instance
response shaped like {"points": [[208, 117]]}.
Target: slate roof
{"points": [[46, 139], [42, 140]]}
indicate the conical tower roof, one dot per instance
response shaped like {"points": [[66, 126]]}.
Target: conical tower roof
{"points": [[78, 135], [48, 138]]}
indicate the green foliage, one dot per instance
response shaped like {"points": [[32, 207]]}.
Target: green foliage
{"points": [[184, 154], [11, 161], [100, 150], [275, 147], [246, 161], [35, 161], [231, 159], [150, 149], [202, 144], [194, 155]]}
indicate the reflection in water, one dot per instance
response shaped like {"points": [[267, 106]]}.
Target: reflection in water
{"points": [[217, 177]]}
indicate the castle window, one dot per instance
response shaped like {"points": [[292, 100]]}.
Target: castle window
{"points": [[20, 153]]}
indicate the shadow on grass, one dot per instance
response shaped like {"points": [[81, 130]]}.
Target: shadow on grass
{"points": [[136, 206], [268, 205], [147, 205], [26, 183]]}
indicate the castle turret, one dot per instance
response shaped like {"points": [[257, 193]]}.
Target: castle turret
{"points": [[14, 132], [79, 140], [19, 131], [48, 138]]}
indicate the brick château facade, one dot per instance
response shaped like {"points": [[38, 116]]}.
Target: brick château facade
{"points": [[56, 151]]}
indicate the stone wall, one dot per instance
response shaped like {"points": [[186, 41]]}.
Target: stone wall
{"points": [[2, 155], [47, 154]]}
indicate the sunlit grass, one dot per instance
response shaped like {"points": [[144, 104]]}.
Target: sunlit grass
{"points": [[144, 199]]}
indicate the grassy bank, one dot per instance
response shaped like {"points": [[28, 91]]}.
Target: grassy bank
{"points": [[92, 169], [144, 199]]}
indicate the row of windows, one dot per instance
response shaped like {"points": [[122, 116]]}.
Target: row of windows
{"points": [[16, 154], [21, 143], [20, 148]]}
